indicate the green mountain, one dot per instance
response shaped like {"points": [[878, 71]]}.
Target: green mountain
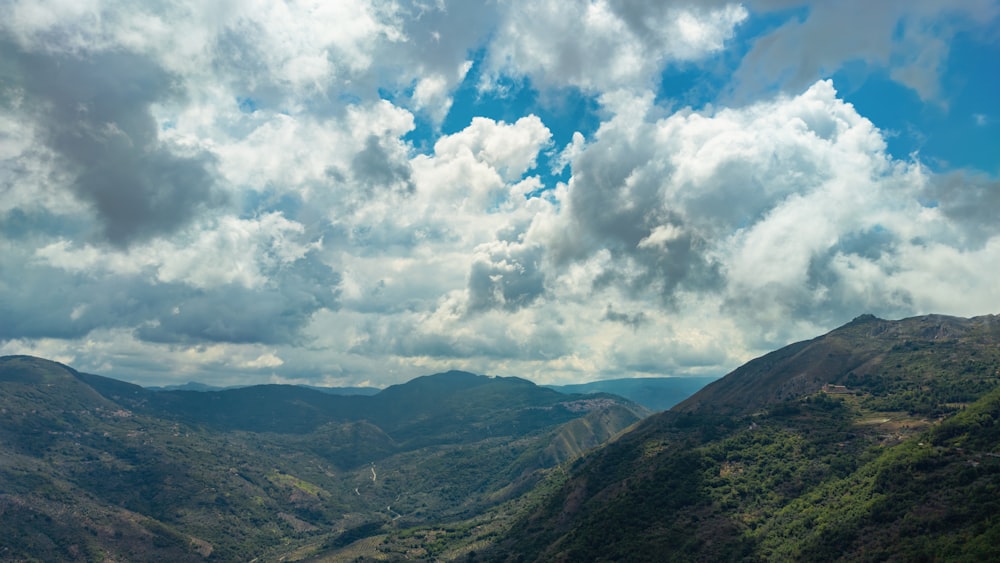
{"points": [[92, 468], [879, 441], [654, 393]]}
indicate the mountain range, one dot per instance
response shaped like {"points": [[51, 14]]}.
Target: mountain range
{"points": [[93, 468], [654, 393], [198, 386], [878, 441]]}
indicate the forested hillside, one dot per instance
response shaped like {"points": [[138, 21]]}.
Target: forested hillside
{"points": [[97, 469], [878, 441]]}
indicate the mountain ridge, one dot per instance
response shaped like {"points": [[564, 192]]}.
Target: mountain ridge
{"points": [[828, 359], [874, 441], [93, 468], [654, 393]]}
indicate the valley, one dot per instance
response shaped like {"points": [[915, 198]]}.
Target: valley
{"points": [[100, 469], [877, 441]]}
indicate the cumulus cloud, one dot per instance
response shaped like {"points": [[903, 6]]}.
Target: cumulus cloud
{"points": [[246, 281], [94, 113], [507, 275], [273, 314], [781, 209], [267, 190], [510, 149], [625, 44], [329, 162]]}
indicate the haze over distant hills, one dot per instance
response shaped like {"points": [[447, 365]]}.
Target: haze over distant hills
{"points": [[198, 386], [654, 393]]}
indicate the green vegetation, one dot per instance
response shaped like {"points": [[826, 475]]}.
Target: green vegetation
{"points": [[879, 441], [92, 468]]}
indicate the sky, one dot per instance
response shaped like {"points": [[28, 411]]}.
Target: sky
{"points": [[359, 192]]}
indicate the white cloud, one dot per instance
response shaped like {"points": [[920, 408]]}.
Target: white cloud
{"points": [[599, 46], [940, 277], [30, 180], [317, 243], [264, 361], [432, 93], [779, 210], [233, 251], [317, 158], [660, 236], [510, 149]]}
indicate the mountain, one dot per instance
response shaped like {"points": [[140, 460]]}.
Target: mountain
{"points": [[93, 468], [197, 386], [654, 393], [867, 353], [189, 386], [343, 390], [877, 441]]}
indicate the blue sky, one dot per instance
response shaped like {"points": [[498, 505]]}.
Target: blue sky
{"points": [[364, 191], [958, 131]]}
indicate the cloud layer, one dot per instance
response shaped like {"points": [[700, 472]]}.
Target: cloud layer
{"points": [[251, 192]]}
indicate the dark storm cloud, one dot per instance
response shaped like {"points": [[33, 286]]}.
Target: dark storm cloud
{"points": [[971, 201], [94, 111], [376, 169], [634, 321], [510, 278], [274, 314], [616, 203], [645, 18], [76, 304]]}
